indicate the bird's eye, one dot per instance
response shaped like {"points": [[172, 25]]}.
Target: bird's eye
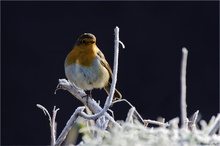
{"points": [[83, 41]]}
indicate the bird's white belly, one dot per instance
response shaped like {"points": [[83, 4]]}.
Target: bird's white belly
{"points": [[87, 78]]}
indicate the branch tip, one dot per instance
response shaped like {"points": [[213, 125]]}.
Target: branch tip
{"points": [[184, 50]]}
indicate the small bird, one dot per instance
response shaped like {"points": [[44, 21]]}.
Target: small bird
{"points": [[86, 66]]}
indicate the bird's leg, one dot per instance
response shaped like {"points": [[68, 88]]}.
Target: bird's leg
{"points": [[87, 96], [90, 93]]}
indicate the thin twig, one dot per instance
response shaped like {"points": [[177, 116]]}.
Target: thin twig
{"points": [[52, 122], [45, 111], [146, 122], [215, 126], [194, 118], [136, 112], [53, 126], [183, 88], [130, 115], [174, 123], [186, 123], [122, 44], [120, 100]]}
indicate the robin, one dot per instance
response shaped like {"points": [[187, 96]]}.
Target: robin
{"points": [[86, 66]]}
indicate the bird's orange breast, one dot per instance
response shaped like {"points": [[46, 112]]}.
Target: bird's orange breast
{"points": [[83, 55]]}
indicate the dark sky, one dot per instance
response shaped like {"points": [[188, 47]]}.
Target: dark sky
{"points": [[37, 36]]}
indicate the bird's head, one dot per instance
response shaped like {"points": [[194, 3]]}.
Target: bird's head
{"points": [[86, 39]]}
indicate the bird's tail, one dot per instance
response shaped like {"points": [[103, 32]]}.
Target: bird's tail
{"points": [[117, 94]]}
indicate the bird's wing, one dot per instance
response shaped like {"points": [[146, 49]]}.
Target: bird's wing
{"points": [[104, 62], [117, 94]]}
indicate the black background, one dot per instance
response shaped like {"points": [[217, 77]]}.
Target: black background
{"points": [[37, 36]]}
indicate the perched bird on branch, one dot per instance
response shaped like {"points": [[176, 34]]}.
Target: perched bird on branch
{"points": [[86, 66]]}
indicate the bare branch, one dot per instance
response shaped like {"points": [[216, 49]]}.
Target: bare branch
{"points": [[102, 124], [52, 122], [68, 126], [80, 94], [183, 88]]}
